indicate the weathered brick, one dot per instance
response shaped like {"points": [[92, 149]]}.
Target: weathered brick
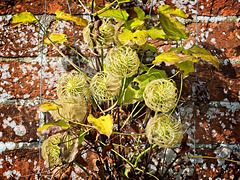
{"points": [[38, 6], [206, 7], [218, 37], [18, 41], [24, 164], [67, 28], [22, 80], [222, 84], [18, 123], [216, 126], [216, 167]]}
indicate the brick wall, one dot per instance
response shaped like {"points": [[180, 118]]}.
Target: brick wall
{"points": [[217, 130]]}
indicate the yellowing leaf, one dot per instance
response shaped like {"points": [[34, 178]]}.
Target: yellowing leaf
{"points": [[171, 26], [61, 123], [139, 37], [135, 23], [156, 32], [103, 124], [116, 13], [126, 37], [56, 38], [48, 106], [140, 13], [172, 58], [167, 9], [205, 55], [69, 17], [24, 17]]}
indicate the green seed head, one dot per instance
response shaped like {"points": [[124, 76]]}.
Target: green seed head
{"points": [[164, 130], [160, 95], [122, 62], [104, 87], [72, 87]]}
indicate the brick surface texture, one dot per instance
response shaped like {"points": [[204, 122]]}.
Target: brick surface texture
{"points": [[217, 130]]}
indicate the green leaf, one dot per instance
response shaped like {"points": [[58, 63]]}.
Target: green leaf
{"points": [[81, 138], [151, 47], [157, 32], [171, 26], [205, 55], [134, 92], [56, 38], [135, 23], [116, 13], [69, 17], [61, 123], [185, 67], [140, 13], [172, 57], [24, 17]]}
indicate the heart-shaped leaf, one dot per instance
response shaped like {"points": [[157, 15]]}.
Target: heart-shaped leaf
{"points": [[24, 17], [103, 124]]}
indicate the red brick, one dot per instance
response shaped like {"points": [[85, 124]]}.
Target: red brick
{"points": [[18, 123], [206, 7], [38, 6], [216, 126], [213, 168], [219, 38], [67, 28], [24, 164], [21, 164], [18, 41], [223, 84], [22, 80]]}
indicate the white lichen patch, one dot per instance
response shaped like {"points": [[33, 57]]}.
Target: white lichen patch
{"points": [[12, 174], [20, 130]]}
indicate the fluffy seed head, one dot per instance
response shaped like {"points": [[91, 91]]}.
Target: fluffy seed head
{"points": [[107, 31], [104, 87], [160, 95], [51, 150], [59, 149], [122, 62], [72, 87], [164, 130]]}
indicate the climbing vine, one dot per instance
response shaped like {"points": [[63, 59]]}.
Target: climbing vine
{"points": [[128, 100]]}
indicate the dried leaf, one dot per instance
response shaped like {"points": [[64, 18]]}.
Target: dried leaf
{"points": [[106, 149], [184, 147]]}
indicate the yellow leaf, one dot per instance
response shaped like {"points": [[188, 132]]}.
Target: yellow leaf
{"points": [[69, 17], [103, 124], [24, 17], [139, 37], [56, 38], [48, 106]]}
